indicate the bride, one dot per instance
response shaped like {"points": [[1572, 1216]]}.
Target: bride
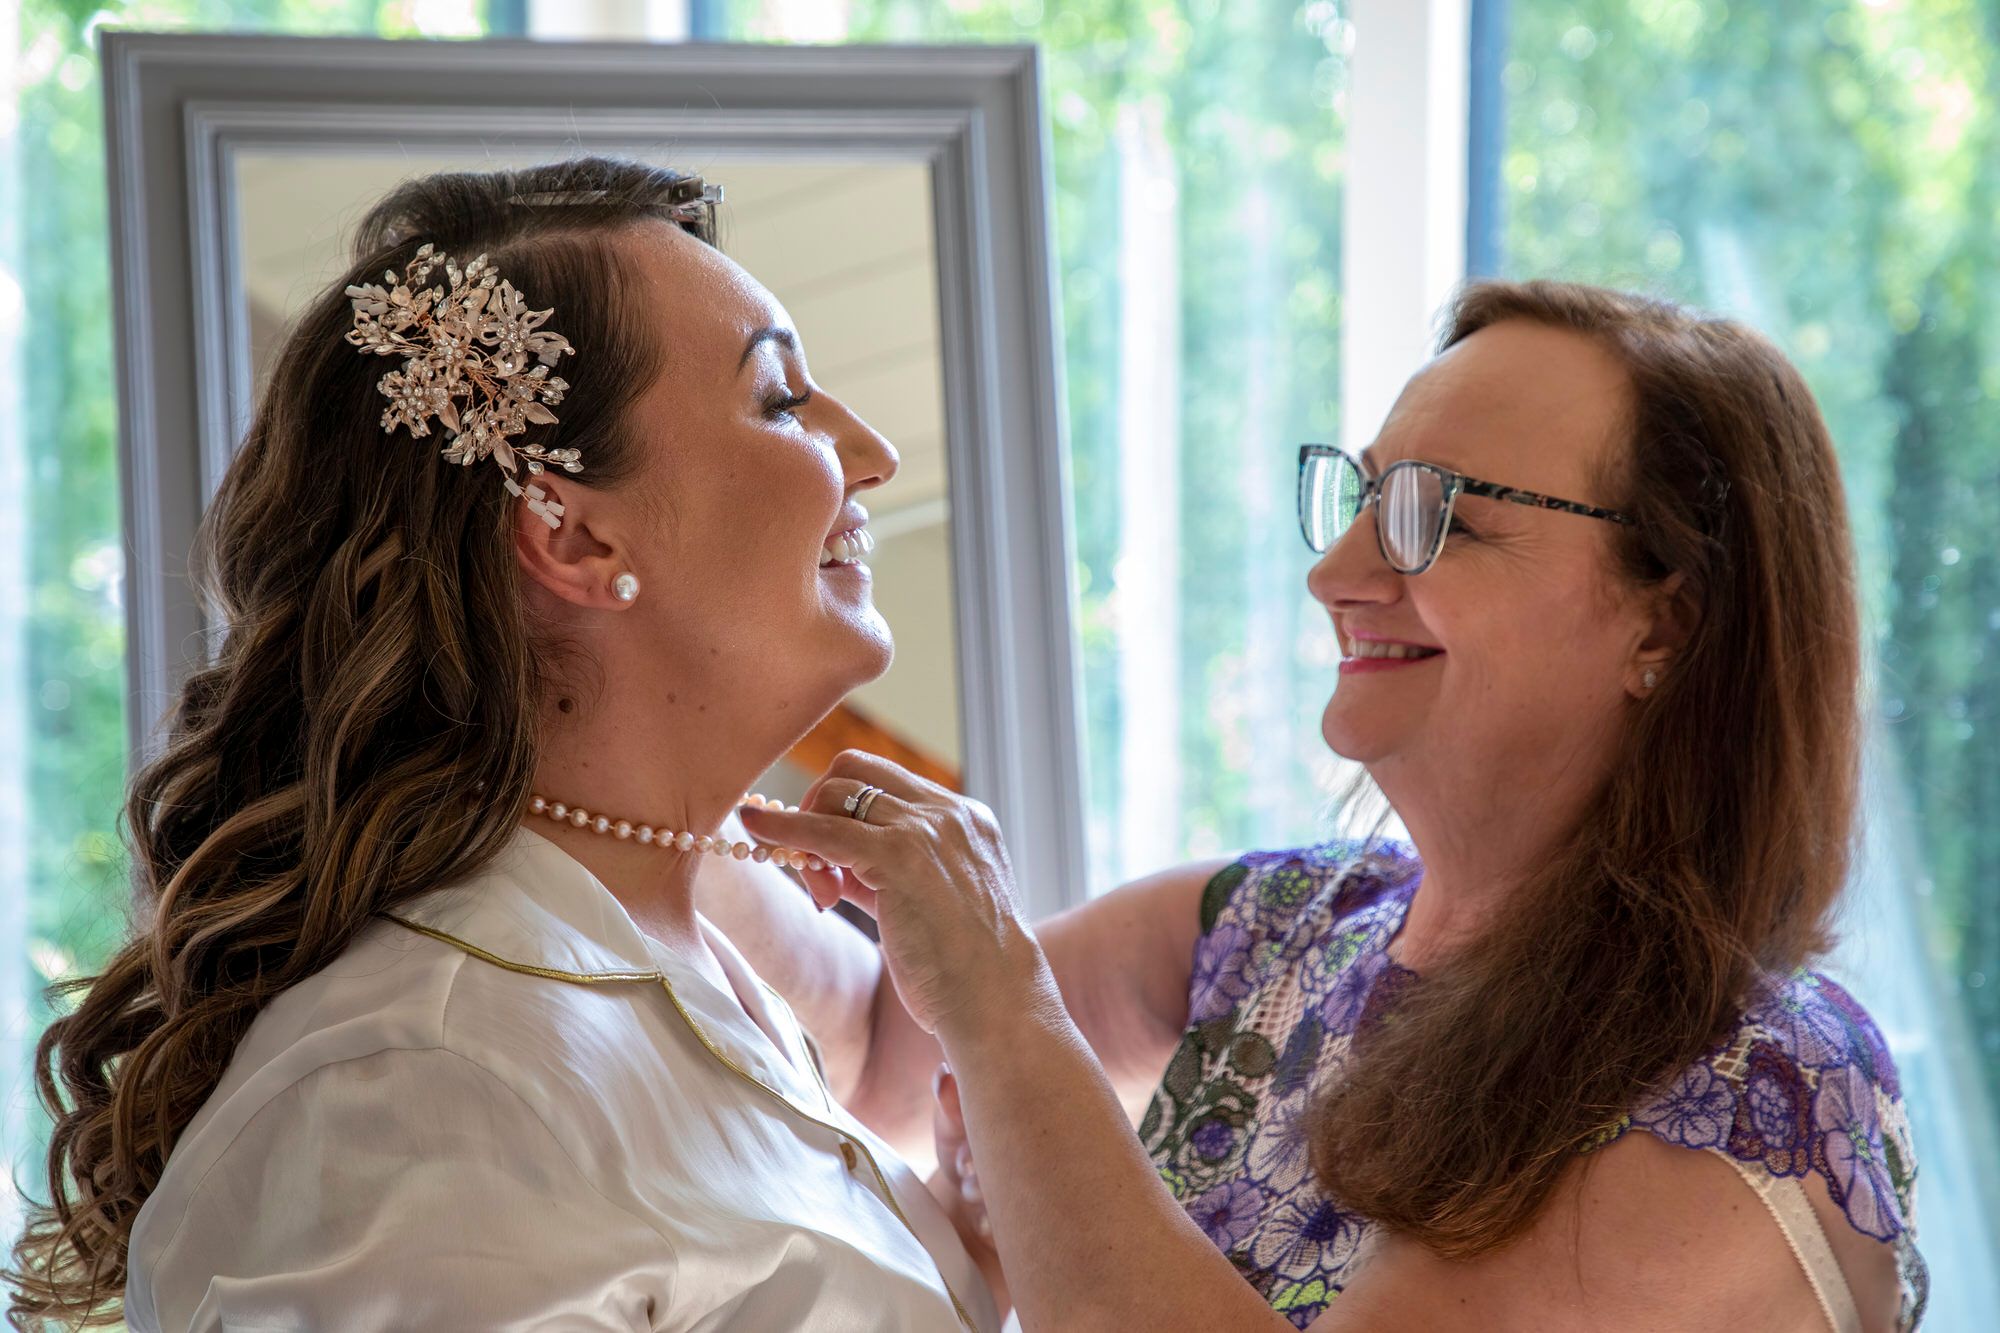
{"points": [[541, 548]]}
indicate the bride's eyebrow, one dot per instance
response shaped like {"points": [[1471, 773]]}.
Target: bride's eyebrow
{"points": [[770, 333]]}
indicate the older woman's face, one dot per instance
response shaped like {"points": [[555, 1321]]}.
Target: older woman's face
{"points": [[1529, 633]]}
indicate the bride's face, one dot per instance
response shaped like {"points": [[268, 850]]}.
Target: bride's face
{"points": [[751, 479]]}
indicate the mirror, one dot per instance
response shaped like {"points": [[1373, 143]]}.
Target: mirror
{"points": [[848, 249], [894, 198]]}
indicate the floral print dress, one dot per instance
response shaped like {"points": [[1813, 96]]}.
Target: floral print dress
{"points": [[1293, 954]]}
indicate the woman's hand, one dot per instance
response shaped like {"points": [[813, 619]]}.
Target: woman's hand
{"points": [[1091, 1236], [930, 867]]}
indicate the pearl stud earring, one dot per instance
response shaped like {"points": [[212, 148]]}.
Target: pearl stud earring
{"points": [[626, 586], [1652, 678]]}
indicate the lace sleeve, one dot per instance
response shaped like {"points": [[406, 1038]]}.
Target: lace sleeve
{"points": [[1805, 1085]]}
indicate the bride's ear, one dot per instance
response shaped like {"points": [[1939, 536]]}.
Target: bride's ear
{"points": [[564, 555]]}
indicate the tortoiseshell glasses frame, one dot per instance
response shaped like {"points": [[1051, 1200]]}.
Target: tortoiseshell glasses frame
{"points": [[1414, 502]]}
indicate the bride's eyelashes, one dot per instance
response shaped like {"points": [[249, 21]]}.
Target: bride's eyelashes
{"points": [[787, 404]]}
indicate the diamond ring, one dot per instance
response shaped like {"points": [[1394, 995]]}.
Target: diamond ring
{"points": [[859, 803]]}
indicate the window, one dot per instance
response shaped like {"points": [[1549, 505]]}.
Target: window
{"points": [[1825, 171]]}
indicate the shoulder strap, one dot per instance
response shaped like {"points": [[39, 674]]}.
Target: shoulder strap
{"points": [[1786, 1199]]}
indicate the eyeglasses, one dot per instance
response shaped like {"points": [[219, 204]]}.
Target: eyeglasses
{"points": [[1414, 502]]}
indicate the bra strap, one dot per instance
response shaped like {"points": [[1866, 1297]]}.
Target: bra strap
{"points": [[1785, 1197]]}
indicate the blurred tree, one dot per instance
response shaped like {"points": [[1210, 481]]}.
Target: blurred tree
{"points": [[1828, 171]]}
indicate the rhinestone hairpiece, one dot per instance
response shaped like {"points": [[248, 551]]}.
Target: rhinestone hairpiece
{"points": [[474, 357]]}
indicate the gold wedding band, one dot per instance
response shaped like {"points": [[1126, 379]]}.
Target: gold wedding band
{"points": [[859, 803]]}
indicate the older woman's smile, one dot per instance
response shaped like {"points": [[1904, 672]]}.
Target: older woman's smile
{"points": [[1367, 652]]}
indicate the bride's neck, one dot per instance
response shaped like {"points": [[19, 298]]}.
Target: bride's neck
{"points": [[656, 888], [622, 774]]}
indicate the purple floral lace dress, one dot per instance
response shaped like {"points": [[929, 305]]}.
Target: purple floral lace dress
{"points": [[1293, 950]]}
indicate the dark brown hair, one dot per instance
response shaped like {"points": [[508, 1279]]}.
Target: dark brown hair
{"points": [[1716, 849], [366, 731]]}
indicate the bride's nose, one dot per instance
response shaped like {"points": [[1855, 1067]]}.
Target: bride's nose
{"points": [[866, 456]]}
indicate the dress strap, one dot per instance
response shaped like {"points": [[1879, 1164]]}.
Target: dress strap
{"points": [[1786, 1199]]}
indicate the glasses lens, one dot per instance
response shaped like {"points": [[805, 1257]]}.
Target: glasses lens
{"points": [[1329, 498], [1410, 512]]}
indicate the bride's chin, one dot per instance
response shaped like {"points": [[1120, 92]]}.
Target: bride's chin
{"points": [[859, 655], [874, 644]]}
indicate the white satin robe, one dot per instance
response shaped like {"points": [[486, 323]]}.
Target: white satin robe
{"points": [[513, 1110]]}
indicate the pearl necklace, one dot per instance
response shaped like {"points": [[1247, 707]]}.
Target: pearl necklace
{"points": [[667, 839]]}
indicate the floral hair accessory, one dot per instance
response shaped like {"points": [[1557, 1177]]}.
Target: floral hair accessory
{"points": [[475, 357]]}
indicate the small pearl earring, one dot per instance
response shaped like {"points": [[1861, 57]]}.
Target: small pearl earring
{"points": [[626, 586], [1652, 678]]}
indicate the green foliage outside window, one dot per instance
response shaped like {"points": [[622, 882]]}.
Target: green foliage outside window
{"points": [[1830, 172]]}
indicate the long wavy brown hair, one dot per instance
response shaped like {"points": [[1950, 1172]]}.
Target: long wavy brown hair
{"points": [[367, 729], [1715, 851]]}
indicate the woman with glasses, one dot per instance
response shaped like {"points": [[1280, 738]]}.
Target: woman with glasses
{"points": [[1561, 1062]]}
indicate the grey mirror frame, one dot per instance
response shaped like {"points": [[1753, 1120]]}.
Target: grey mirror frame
{"points": [[178, 108]]}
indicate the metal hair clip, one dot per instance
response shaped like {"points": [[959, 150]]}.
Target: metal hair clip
{"points": [[692, 203]]}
